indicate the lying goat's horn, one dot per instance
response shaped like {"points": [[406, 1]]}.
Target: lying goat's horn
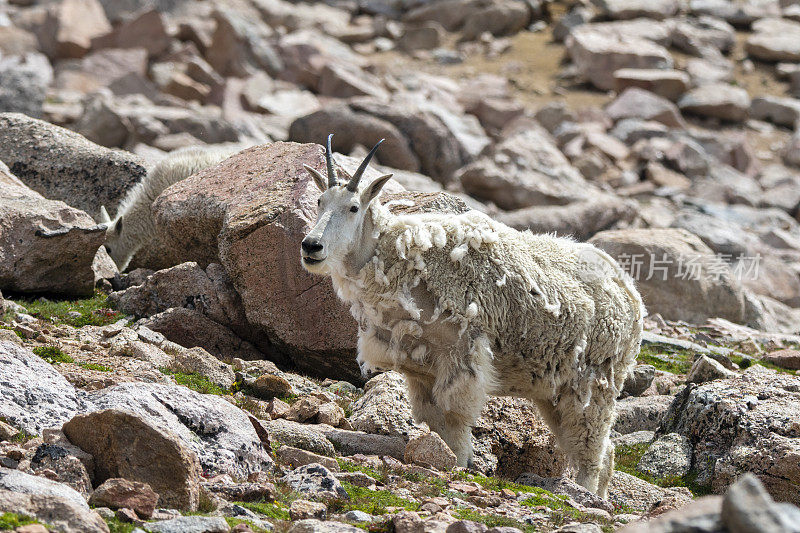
{"points": [[104, 218], [352, 186], [332, 179]]}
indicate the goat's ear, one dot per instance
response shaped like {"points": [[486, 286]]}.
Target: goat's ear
{"points": [[373, 189], [118, 226], [104, 218], [319, 179]]}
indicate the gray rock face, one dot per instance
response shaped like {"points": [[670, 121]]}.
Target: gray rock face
{"points": [[598, 53], [370, 413], [718, 100], [669, 456], [219, 433], [33, 396], [523, 170], [742, 424], [17, 481], [303, 436], [315, 480], [23, 83], [63, 515], [47, 246], [635, 102], [62, 165], [745, 508], [639, 380], [707, 369], [659, 259], [190, 524], [641, 413], [312, 525], [640, 496]]}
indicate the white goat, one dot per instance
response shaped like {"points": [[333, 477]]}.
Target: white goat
{"points": [[133, 227], [466, 307]]}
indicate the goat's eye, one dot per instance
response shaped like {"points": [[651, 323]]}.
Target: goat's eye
{"points": [[319, 201], [354, 209]]}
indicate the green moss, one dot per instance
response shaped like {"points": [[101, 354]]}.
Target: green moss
{"points": [[93, 311], [666, 358], [276, 511], [347, 466], [52, 354], [13, 520], [492, 520], [374, 502], [115, 525], [196, 382], [94, 366], [20, 335]]}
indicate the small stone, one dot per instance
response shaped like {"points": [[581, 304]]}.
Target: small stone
{"points": [[789, 359], [117, 493], [429, 449], [303, 509], [707, 369], [330, 413], [315, 480], [358, 516], [639, 380], [277, 408], [269, 386], [295, 457], [304, 409], [190, 524]]}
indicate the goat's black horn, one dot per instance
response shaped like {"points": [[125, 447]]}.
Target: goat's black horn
{"points": [[352, 186], [332, 179]]}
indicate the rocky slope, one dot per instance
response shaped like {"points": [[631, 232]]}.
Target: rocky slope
{"points": [[222, 393]]}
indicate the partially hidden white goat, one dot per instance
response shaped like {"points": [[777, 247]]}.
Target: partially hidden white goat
{"points": [[133, 227], [466, 307]]}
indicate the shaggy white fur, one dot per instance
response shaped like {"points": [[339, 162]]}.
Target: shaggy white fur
{"points": [[467, 307], [133, 227]]}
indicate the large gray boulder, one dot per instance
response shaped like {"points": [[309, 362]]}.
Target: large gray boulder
{"points": [[62, 514], [62, 165], [23, 83], [525, 169], [220, 433], [47, 246], [742, 424], [33, 395], [677, 275]]}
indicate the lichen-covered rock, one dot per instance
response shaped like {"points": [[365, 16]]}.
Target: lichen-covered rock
{"points": [[640, 496], [743, 424], [370, 413], [315, 480], [220, 433], [64, 515], [641, 413], [668, 456], [510, 439], [33, 395]]}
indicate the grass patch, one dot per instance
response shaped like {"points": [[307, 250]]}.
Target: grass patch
{"points": [[94, 366], [92, 311], [196, 382], [347, 466], [10, 521], [679, 361], [493, 520], [115, 525], [52, 354], [374, 502], [627, 457], [276, 511]]}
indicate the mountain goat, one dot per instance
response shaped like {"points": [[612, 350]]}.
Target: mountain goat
{"points": [[133, 227], [466, 307]]}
